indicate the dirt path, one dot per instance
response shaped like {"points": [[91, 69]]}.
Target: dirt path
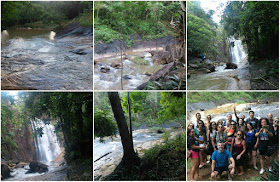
{"points": [[250, 174]]}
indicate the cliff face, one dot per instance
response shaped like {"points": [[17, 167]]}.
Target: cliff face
{"points": [[25, 143]]}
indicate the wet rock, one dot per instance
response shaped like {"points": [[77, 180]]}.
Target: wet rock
{"points": [[161, 57], [79, 51], [127, 77], [159, 131], [231, 66], [209, 66], [104, 69], [36, 166], [66, 58], [97, 62], [5, 171], [115, 65], [194, 66], [148, 74]]}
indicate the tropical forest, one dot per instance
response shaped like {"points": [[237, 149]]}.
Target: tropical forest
{"points": [[139, 136], [233, 45], [46, 45], [139, 45], [46, 136]]}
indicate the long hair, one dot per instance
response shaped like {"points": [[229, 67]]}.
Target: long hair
{"points": [[210, 126]]}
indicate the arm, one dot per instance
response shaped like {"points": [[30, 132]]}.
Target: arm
{"points": [[270, 134], [232, 162], [258, 133], [213, 144], [199, 139], [235, 113], [256, 145], [197, 147], [208, 135], [213, 165]]}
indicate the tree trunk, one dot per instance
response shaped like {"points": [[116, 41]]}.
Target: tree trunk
{"points": [[129, 113], [129, 154]]}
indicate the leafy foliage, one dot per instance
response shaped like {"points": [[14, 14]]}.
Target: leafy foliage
{"points": [[257, 22], [121, 19], [27, 13], [104, 124]]}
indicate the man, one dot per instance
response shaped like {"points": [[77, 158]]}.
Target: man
{"points": [[237, 118], [270, 119], [253, 120], [198, 120], [220, 162], [229, 118]]}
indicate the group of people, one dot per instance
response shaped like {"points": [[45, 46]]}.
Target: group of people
{"points": [[229, 142]]}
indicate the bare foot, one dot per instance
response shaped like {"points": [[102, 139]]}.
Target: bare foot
{"points": [[239, 174]]}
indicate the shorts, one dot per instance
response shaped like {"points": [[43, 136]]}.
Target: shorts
{"points": [[250, 147], [221, 169], [238, 162], [201, 145], [266, 152], [195, 154]]}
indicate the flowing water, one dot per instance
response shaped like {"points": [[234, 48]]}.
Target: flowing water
{"points": [[221, 112], [107, 155], [225, 79], [47, 150], [133, 72], [35, 59]]}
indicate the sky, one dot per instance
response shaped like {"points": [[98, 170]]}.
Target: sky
{"points": [[216, 5]]}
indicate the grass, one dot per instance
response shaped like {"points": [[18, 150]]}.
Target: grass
{"points": [[141, 61], [254, 178], [162, 162]]}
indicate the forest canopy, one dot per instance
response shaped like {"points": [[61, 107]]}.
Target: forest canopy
{"points": [[42, 13]]}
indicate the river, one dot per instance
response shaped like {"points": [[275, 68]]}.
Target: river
{"points": [[221, 112], [225, 79], [35, 59], [108, 155], [133, 72]]}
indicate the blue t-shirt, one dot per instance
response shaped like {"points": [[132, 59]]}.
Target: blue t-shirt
{"points": [[221, 158]]}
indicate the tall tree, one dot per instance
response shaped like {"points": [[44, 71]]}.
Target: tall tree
{"points": [[129, 155]]}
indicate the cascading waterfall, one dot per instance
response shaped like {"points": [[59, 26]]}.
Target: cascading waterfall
{"points": [[47, 146], [237, 52]]}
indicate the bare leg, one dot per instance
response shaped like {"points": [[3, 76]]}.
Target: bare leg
{"points": [[262, 161], [254, 158], [195, 163], [241, 171]]}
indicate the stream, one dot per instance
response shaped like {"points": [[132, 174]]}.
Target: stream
{"points": [[108, 155], [225, 79], [221, 112], [133, 72], [34, 59]]}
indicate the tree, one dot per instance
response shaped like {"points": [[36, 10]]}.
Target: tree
{"points": [[129, 156]]}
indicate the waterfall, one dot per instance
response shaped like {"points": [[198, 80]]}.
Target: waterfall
{"points": [[47, 146], [236, 50]]}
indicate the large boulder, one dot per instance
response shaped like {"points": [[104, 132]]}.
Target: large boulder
{"points": [[231, 66], [161, 57], [36, 166], [209, 66], [5, 171]]}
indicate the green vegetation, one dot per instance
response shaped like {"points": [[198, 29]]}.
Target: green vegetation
{"points": [[148, 109], [70, 112], [166, 162], [274, 174], [121, 19], [194, 97], [40, 14], [203, 35]]}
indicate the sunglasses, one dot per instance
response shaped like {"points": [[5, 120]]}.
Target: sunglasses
{"points": [[220, 127], [232, 124], [199, 123], [239, 134]]}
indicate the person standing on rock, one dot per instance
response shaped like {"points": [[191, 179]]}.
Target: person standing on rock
{"points": [[202, 57]]}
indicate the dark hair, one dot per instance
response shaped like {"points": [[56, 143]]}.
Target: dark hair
{"points": [[189, 131], [197, 114], [250, 125], [209, 116], [192, 125], [264, 118], [242, 134], [252, 112], [210, 126]]}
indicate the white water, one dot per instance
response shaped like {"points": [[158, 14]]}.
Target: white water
{"points": [[47, 146], [237, 52]]}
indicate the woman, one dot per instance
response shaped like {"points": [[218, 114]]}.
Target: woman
{"points": [[231, 134], [191, 126], [194, 149], [238, 148], [201, 141], [275, 138], [264, 141], [202, 129], [241, 125], [208, 117], [252, 143], [210, 134], [219, 136]]}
